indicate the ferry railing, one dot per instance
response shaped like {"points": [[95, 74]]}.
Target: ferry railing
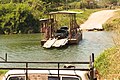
{"points": [[90, 63]]}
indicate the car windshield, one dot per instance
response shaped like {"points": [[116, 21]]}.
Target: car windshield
{"points": [[66, 28], [64, 78], [53, 78], [17, 78], [71, 78], [61, 31]]}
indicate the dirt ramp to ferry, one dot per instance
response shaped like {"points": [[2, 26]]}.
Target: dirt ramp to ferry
{"points": [[97, 19]]}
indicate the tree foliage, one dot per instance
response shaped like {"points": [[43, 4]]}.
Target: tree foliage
{"points": [[20, 17], [23, 15]]}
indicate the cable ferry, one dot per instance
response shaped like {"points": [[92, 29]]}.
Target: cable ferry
{"points": [[54, 37]]}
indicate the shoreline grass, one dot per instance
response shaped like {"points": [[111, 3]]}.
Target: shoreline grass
{"points": [[108, 63]]}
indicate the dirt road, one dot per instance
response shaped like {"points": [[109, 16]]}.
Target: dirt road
{"points": [[96, 19]]}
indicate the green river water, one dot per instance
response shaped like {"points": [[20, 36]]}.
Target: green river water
{"points": [[26, 47]]}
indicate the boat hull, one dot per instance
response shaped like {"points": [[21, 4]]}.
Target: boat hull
{"points": [[76, 39]]}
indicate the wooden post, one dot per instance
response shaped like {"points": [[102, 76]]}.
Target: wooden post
{"points": [[58, 71], [26, 71], [92, 67], [93, 57], [6, 57]]}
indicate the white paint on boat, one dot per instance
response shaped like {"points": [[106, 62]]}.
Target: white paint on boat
{"points": [[49, 43]]}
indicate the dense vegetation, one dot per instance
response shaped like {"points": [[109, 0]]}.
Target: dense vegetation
{"points": [[22, 16], [108, 63]]}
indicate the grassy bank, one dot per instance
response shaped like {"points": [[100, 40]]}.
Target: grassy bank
{"points": [[113, 24], [3, 72], [108, 63]]}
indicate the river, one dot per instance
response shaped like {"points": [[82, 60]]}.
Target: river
{"points": [[26, 47]]}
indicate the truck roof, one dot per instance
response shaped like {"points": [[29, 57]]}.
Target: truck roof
{"points": [[71, 72], [48, 72]]}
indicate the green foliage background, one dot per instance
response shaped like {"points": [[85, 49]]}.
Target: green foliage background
{"points": [[21, 17]]}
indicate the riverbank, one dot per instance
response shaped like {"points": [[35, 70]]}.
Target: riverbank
{"points": [[108, 63], [113, 24]]}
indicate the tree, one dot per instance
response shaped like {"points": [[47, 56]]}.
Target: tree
{"points": [[114, 2], [37, 8], [15, 18]]}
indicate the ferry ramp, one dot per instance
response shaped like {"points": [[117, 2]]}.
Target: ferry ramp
{"points": [[97, 19], [49, 43], [55, 43]]}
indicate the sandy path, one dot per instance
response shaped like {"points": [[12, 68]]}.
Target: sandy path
{"points": [[96, 19]]}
